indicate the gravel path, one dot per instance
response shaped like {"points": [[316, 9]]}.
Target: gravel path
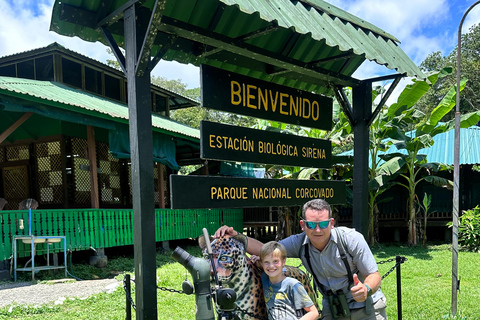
{"points": [[35, 294]]}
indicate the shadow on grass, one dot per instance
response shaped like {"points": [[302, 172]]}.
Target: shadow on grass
{"points": [[391, 250]]}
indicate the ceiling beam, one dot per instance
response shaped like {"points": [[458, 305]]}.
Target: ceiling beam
{"points": [[248, 36], [160, 53], [117, 14], [344, 56], [15, 126], [386, 78], [344, 104], [384, 100], [187, 31], [115, 49], [144, 56]]}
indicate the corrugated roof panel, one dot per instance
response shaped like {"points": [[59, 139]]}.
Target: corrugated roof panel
{"points": [[443, 147], [303, 31], [60, 95]]}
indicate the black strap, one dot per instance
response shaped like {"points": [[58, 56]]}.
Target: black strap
{"points": [[307, 257], [341, 248]]}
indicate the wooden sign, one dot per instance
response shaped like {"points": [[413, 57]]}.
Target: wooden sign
{"points": [[231, 143], [194, 192], [232, 92]]}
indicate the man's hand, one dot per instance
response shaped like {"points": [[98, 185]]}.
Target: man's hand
{"points": [[225, 230], [359, 290]]}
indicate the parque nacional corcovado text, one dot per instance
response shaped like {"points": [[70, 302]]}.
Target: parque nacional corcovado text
{"points": [[244, 193]]}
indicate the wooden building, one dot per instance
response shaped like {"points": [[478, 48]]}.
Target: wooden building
{"points": [[59, 109], [64, 141]]}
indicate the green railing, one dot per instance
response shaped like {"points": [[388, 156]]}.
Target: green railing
{"points": [[104, 228]]}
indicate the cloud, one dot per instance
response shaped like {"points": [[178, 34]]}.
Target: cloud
{"points": [[26, 27], [187, 73], [420, 25], [473, 18]]}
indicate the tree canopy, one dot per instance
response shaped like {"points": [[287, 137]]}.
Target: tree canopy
{"points": [[469, 69]]}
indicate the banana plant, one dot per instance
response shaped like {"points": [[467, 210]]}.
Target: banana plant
{"points": [[425, 205], [393, 120], [414, 166]]}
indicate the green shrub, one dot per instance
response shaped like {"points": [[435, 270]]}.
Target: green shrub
{"points": [[469, 230]]}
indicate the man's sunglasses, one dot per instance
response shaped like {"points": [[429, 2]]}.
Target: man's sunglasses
{"points": [[313, 224]]}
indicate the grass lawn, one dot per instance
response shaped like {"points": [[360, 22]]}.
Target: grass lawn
{"points": [[426, 287]]}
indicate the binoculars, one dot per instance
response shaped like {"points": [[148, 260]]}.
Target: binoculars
{"points": [[338, 304]]}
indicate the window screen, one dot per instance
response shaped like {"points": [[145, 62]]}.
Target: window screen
{"points": [[72, 73], [44, 68]]}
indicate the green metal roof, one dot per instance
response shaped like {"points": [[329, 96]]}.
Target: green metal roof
{"points": [[442, 148], [176, 100], [306, 44], [64, 98]]}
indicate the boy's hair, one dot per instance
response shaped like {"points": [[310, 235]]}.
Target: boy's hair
{"points": [[275, 248]]}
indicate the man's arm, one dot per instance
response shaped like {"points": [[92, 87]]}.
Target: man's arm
{"points": [[254, 246]]}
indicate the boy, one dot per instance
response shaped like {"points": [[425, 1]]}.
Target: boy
{"points": [[285, 297]]}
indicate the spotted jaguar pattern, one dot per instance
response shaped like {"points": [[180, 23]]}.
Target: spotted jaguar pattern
{"points": [[237, 272]]}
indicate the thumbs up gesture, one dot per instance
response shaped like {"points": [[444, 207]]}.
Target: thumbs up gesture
{"points": [[359, 290]]}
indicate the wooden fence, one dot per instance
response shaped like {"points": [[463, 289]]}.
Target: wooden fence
{"points": [[104, 228]]}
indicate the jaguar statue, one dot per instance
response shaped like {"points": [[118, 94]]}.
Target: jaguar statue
{"points": [[236, 271]]}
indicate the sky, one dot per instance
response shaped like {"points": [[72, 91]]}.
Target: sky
{"points": [[422, 26]]}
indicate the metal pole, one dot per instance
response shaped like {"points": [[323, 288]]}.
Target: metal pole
{"points": [[456, 172], [128, 305], [399, 261]]}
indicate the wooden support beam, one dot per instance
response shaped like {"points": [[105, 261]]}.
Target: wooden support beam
{"points": [[384, 100], [115, 49], [161, 186], [187, 31], [141, 149], [92, 158], [344, 104], [15, 126], [144, 61], [362, 111]]}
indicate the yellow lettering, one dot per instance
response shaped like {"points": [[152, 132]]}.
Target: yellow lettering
{"points": [[243, 91], [283, 103], [294, 106], [210, 140], [306, 102], [213, 192], [263, 99], [250, 96], [235, 90], [315, 106], [273, 101], [219, 142]]}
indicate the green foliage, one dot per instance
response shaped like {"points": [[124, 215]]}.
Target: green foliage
{"points": [[469, 229], [425, 205], [469, 68], [174, 85], [410, 164]]}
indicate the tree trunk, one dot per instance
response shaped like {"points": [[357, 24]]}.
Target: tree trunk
{"points": [[371, 222], [412, 228]]}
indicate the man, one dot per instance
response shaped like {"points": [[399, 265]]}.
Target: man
{"points": [[360, 298]]}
